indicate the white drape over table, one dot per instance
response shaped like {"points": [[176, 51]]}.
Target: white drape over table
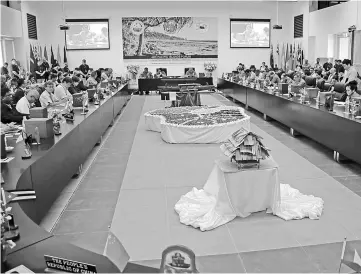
{"points": [[230, 192], [172, 133]]}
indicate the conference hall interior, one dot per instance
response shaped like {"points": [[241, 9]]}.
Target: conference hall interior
{"points": [[180, 136]]}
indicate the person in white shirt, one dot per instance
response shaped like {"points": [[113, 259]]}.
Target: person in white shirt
{"points": [[25, 103], [62, 92], [91, 80], [47, 98], [350, 72]]}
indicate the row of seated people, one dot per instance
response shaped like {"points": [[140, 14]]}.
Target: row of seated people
{"points": [[341, 72], [17, 100], [162, 72]]}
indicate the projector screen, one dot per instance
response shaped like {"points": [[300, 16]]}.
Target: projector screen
{"points": [[87, 34], [250, 33]]}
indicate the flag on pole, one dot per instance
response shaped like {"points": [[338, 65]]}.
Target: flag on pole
{"points": [[58, 57], [46, 54], [278, 55], [271, 58], [283, 57], [355, 264], [65, 59], [33, 61], [40, 53], [52, 60], [286, 58]]}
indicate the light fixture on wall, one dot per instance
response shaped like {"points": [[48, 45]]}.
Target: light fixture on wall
{"points": [[277, 26], [65, 25]]}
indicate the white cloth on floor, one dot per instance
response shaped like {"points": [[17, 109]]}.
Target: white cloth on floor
{"points": [[198, 208]]}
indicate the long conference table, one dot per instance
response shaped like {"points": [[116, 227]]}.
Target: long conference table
{"points": [[48, 172], [336, 130], [153, 84]]}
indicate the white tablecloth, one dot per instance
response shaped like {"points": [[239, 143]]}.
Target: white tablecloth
{"points": [[194, 135], [229, 193]]}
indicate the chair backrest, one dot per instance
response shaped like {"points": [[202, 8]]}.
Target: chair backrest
{"points": [[201, 74], [339, 87], [310, 81], [91, 92], [327, 86], [320, 84], [186, 69]]}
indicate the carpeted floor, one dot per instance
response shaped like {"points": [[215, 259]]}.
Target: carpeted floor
{"points": [[136, 179]]}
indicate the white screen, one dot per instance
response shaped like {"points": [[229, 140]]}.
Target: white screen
{"points": [[87, 35], [250, 34]]}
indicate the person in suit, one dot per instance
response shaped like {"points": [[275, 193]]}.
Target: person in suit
{"points": [[191, 73], [84, 67], [19, 92], [8, 112], [4, 70], [146, 74]]}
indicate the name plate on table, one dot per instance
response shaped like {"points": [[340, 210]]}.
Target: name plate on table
{"points": [[55, 264]]}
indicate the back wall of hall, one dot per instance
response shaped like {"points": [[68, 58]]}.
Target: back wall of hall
{"points": [[50, 15]]}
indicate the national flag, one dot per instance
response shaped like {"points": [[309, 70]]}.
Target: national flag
{"points": [[36, 54], [278, 55], [40, 53], [46, 54], [52, 60], [33, 62], [355, 264], [283, 57], [17, 195], [58, 57], [65, 59], [286, 58], [271, 58]]}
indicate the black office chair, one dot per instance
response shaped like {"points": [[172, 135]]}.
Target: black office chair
{"points": [[321, 85], [339, 87], [310, 81]]}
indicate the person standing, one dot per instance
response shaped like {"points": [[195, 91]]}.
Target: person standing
{"points": [[15, 71], [84, 68], [4, 70], [350, 71]]}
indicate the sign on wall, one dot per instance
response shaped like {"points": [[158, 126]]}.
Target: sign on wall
{"points": [[169, 37]]}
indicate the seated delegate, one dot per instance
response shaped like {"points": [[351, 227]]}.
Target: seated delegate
{"points": [[8, 112], [27, 101], [47, 98], [191, 73]]}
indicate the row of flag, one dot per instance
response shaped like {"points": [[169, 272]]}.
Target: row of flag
{"points": [[37, 53], [287, 57]]}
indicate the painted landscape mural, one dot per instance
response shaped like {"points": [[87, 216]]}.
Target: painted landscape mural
{"points": [[169, 37]]}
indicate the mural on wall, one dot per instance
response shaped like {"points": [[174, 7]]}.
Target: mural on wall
{"points": [[169, 37]]}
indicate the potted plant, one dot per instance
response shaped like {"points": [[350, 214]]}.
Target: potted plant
{"points": [[209, 67]]}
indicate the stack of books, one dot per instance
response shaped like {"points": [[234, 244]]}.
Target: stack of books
{"points": [[245, 148]]}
